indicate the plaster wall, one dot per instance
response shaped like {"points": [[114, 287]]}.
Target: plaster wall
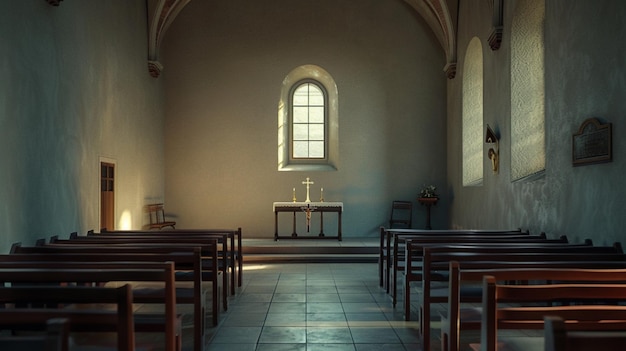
{"points": [[584, 77], [74, 88], [224, 65]]}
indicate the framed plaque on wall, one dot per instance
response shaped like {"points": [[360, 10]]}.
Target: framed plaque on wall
{"points": [[592, 143]]}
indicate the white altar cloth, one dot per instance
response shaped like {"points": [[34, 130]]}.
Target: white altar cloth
{"points": [[300, 204]]}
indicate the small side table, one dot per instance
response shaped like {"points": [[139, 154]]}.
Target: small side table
{"points": [[428, 202]]}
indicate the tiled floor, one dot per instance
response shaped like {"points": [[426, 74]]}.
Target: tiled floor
{"points": [[312, 306]]}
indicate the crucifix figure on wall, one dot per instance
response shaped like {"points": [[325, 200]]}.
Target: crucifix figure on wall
{"points": [[308, 183]]}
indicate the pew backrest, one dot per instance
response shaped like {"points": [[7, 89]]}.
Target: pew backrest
{"points": [[29, 274], [120, 320], [56, 337], [588, 287]]}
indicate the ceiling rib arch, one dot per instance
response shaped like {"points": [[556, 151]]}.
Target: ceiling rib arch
{"points": [[435, 13], [163, 14]]}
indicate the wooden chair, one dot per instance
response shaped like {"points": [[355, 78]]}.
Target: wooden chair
{"points": [[401, 214], [157, 217]]}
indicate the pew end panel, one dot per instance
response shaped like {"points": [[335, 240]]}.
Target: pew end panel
{"points": [[557, 337], [56, 338]]}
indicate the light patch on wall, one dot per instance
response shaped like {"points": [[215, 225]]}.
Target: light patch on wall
{"points": [[528, 154], [473, 114], [126, 221]]}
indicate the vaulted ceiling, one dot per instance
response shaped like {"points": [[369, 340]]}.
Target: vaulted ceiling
{"points": [[436, 13]]}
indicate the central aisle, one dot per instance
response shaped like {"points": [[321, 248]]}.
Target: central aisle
{"points": [[310, 307]]}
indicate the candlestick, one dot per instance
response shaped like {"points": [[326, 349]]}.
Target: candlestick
{"points": [[294, 195], [322, 195]]}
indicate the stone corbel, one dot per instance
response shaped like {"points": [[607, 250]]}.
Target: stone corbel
{"points": [[163, 14], [450, 70], [495, 38], [54, 2], [155, 68]]}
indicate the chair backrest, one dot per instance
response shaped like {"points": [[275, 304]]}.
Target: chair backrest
{"points": [[401, 214], [157, 217], [157, 214]]}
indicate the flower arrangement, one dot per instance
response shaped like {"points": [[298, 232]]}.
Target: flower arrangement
{"points": [[428, 191]]}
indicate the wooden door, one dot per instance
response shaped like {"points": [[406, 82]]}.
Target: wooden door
{"points": [[107, 195]]}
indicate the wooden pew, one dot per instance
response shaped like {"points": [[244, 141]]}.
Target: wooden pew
{"points": [[398, 264], [393, 254], [119, 320], [156, 241], [388, 236], [235, 236], [590, 307], [187, 262], [557, 337], [94, 274], [462, 288], [56, 338], [436, 260]]}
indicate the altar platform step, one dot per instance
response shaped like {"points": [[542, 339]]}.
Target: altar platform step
{"points": [[350, 250]]}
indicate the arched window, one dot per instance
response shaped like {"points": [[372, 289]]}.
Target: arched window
{"points": [[308, 128], [473, 114], [528, 154]]}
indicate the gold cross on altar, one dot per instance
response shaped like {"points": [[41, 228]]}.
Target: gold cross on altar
{"points": [[308, 182]]}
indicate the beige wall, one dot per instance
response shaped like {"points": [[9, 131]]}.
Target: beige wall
{"points": [[584, 78], [224, 65], [74, 87]]}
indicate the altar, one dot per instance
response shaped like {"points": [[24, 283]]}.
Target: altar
{"points": [[308, 208]]}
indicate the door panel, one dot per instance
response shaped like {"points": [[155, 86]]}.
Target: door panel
{"points": [[107, 195]]}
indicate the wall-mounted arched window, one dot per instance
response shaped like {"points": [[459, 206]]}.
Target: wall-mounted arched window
{"points": [[473, 114], [308, 128]]}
